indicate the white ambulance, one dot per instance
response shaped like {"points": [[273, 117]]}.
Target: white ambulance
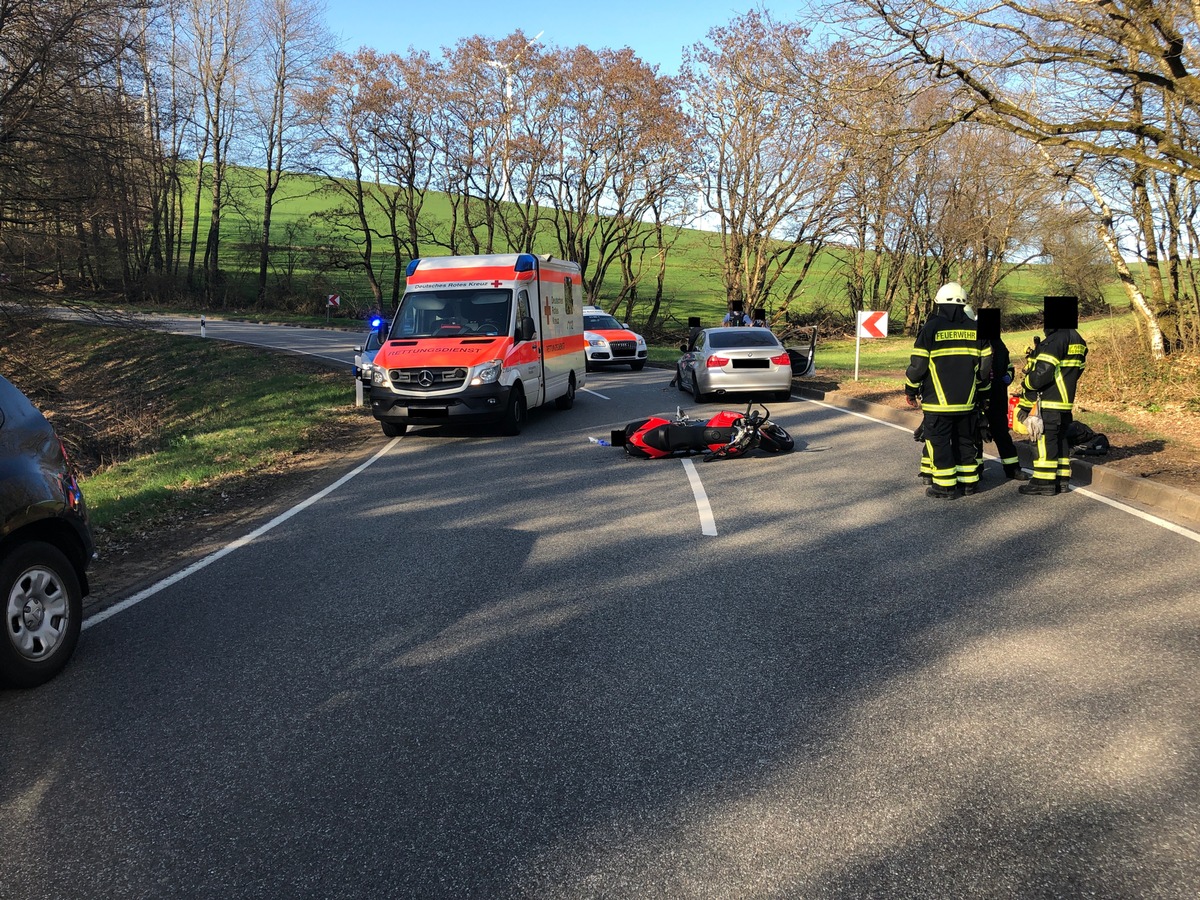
{"points": [[482, 338]]}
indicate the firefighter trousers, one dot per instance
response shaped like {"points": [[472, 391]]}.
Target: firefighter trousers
{"points": [[1051, 454], [950, 447]]}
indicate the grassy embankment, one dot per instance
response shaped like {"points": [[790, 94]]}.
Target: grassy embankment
{"points": [[163, 425], [693, 285]]}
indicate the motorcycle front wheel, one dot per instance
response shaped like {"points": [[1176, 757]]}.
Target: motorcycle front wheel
{"points": [[775, 439]]}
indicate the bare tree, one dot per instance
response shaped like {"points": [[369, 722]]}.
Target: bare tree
{"points": [[293, 39], [70, 141], [1106, 89], [340, 107], [1079, 264], [618, 122], [404, 150], [771, 171], [472, 142], [222, 43]]}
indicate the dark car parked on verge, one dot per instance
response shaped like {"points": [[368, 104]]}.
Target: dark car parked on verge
{"points": [[46, 545]]}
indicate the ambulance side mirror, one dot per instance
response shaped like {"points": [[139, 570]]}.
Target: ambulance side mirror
{"points": [[525, 329]]}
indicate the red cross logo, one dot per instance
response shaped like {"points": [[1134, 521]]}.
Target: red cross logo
{"points": [[496, 283]]}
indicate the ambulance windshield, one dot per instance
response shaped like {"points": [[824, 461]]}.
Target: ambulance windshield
{"points": [[452, 313]]}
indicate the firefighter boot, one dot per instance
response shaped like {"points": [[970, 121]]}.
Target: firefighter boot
{"points": [[1015, 472], [939, 492], [1039, 487]]}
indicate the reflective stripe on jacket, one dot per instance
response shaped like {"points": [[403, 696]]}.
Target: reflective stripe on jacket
{"points": [[950, 367], [1055, 370]]}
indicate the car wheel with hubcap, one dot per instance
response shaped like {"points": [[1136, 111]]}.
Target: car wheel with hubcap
{"points": [[43, 612]]}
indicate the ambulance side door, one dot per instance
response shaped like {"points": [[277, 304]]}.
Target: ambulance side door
{"points": [[531, 371]]}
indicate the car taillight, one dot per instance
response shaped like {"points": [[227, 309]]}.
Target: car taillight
{"points": [[715, 362], [782, 360], [70, 484]]}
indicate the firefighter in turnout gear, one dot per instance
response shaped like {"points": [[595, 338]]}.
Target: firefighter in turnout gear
{"points": [[1051, 376], [996, 414], [950, 370]]}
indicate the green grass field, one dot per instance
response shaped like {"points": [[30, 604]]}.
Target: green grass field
{"points": [[693, 285]]}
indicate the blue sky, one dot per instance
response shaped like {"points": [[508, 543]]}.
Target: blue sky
{"points": [[657, 31]]}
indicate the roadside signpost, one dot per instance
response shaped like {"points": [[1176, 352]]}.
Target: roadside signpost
{"points": [[870, 325]]}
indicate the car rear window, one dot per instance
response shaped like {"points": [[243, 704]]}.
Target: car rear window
{"points": [[742, 337]]}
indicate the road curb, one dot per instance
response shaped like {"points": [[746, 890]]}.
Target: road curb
{"points": [[1167, 501]]}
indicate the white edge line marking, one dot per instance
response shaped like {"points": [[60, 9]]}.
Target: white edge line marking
{"points": [[595, 393], [708, 525], [1149, 517], [1115, 504], [229, 548]]}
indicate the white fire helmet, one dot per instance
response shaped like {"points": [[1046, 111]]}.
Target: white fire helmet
{"points": [[951, 292]]}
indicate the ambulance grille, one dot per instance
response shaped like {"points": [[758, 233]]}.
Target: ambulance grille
{"points": [[428, 379], [623, 348]]}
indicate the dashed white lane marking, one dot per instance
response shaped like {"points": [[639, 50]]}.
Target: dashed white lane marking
{"points": [[708, 524], [229, 548]]}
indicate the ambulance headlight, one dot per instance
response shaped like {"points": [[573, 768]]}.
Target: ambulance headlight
{"points": [[641, 342], [594, 340], [379, 376], [488, 373]]}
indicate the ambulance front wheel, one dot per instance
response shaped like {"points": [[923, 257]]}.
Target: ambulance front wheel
{"points": [[516, 414], [392, 430]]}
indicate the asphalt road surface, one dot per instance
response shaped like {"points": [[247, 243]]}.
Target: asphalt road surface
{"points": [[489, 667]]}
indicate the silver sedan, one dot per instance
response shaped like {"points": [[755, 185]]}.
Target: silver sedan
{"points": [[734, 360]]}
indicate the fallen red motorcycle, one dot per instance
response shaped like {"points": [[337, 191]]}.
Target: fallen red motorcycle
{"points": [[726, 435]]}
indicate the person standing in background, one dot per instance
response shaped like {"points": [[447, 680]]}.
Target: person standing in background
{"points": [[996, 412], [736, 315]]}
